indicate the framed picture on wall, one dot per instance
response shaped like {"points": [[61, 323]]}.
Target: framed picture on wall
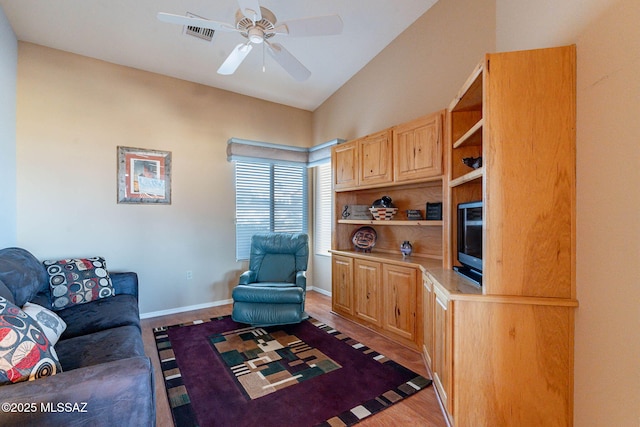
{"points": [[144, 176]]}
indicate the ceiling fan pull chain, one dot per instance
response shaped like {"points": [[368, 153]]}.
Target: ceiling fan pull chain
{"points": [[264, 68]]}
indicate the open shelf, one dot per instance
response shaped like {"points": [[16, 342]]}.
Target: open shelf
{"points": [[472, 137], [471, 176], [420, 223]]}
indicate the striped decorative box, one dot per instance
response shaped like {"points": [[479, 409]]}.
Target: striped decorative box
{"points": [[383, 213]]}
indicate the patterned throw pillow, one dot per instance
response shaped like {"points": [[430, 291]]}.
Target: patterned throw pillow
{"points": [[77, 281], [26, 353], [50, 323]]}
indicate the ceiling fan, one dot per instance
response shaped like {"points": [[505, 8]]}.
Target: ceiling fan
{"points": [[258, 25]]}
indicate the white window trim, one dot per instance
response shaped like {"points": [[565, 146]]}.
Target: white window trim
{"points": [[323, 207]]}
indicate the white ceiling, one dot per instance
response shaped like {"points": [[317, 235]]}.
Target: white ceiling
{"points": [[127, 32]]}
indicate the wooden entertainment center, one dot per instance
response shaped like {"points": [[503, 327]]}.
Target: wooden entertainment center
{"points": [[500, 354]]}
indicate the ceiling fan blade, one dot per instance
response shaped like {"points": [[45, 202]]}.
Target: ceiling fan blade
{"points": [[318, 26], [195, 22], [250, 9], [235, 58], [289, 62]]}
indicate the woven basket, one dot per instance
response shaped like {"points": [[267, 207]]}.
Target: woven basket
{"points": [[383, 213]]}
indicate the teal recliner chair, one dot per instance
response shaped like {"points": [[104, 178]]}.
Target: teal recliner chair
{"points": [[272, 291]]}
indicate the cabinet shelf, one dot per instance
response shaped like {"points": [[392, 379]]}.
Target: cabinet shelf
{"points": [[420, 223], [472, 137], [471, 176]]}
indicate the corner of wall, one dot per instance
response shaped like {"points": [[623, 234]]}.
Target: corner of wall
{"points": [[8, 82]]}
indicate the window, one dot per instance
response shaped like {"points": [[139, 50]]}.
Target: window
{"points": [[269, 197], [322, 210]]}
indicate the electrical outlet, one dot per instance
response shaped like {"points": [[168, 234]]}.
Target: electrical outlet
{"points": [[189, 275]]}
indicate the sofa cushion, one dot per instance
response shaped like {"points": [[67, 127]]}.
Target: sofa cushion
{"points": [[106, 313], [22, 273], [50, 323], [78, 281], [100, 347], [26, 353]]}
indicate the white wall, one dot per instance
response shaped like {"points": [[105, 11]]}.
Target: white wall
{"points": [[8, 70], [607, 339], [74, 111]]}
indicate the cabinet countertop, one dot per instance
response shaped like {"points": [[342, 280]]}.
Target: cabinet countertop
{"points": [[451, 282]]}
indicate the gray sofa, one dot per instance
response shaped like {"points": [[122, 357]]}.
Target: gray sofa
{"points": [[106, 379]]}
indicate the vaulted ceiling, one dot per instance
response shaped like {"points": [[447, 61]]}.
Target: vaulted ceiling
{"points": [[129, 33]]}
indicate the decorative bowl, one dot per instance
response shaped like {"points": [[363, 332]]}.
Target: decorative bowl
{"points": [[383, 213]]}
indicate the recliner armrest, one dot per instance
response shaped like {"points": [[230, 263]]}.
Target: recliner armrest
{"points": [[301, 279], [247, 277]]}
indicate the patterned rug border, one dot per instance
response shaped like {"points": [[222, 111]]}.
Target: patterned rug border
{"points": [[180, 403]]}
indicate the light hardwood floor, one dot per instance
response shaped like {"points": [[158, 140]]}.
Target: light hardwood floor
{"points": [[423, 409]]}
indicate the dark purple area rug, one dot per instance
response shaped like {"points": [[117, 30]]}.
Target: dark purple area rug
{"points": [[221, 373]]}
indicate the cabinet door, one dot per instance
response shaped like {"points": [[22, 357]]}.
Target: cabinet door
{"points": [[541, 262], [367, 281], [427, 319], [417, 148], [375, 158], [441, 362], [345, 165], [342, 284], [400, 291]]}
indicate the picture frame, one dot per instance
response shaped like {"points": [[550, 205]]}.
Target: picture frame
{"points": [[144, 176]]}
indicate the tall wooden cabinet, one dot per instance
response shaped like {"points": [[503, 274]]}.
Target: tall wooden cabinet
{"points": [[500, 354], [506, 355]]}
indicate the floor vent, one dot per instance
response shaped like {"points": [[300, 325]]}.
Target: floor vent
{"points": [[199, 32]]}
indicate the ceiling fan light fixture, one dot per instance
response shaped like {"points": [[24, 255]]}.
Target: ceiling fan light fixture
{"points": [[256, 35]]}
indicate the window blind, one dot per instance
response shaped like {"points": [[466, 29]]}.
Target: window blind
{"points": [[269, 197]]}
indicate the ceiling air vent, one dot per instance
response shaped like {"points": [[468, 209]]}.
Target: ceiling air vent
{"points": [[201, 33]]}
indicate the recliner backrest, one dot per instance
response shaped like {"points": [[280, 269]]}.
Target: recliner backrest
{"points": [[277, 257]]}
